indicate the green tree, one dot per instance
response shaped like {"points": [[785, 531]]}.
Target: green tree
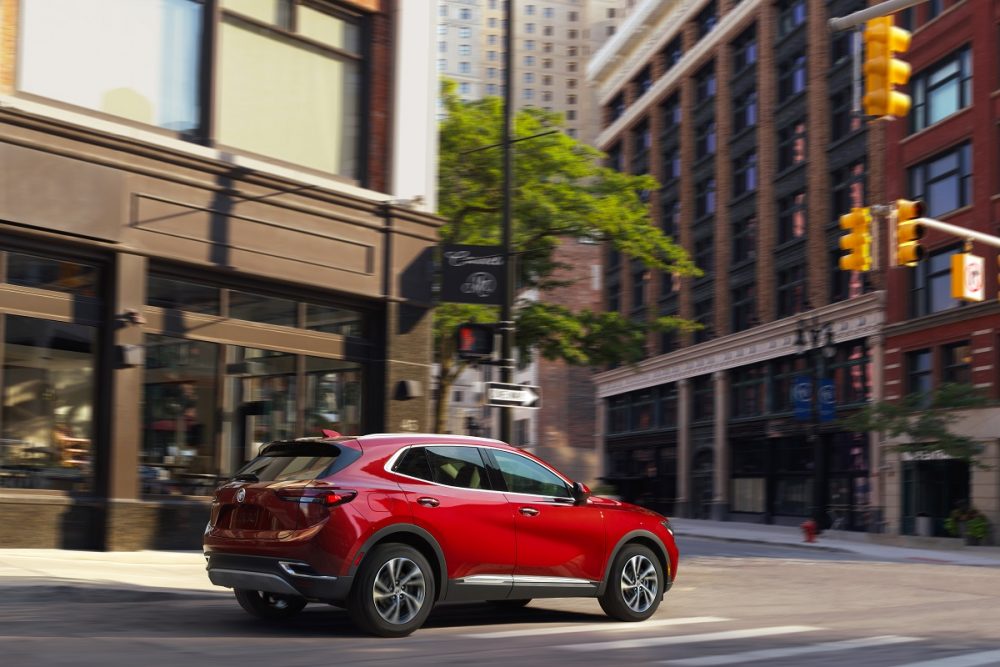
{"points": [[924, 421], [560, 191]]}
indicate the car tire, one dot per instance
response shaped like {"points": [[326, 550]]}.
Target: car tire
{"points": [[393, 592], [635, 585], [269, 606], [510, 604]]}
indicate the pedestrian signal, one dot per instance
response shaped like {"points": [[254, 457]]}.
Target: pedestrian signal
{"points": [[474, 340]]}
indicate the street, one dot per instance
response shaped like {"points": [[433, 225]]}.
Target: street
{"points": [[733, 603]]}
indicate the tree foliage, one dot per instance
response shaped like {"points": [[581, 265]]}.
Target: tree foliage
{"points": [[924, 421], [560, 191]]}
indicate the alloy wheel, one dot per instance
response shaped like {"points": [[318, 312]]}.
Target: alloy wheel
{"points": [[639, 584], [399, 590]]}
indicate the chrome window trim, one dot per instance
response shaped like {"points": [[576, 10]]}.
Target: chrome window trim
{"points": [[532, 580]]}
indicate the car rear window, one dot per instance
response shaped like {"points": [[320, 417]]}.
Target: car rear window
{"points": [[283, 462]]}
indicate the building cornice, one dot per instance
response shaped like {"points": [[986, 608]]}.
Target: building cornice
{"points": [[667, 25], [860, 317]]}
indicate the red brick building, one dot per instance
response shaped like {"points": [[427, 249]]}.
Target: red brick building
{"points": [[947, 152]]}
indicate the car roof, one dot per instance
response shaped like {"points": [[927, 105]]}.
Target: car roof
{"points": [[375, 440]]}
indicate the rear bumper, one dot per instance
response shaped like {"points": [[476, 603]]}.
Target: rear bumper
{"points": [[276, 575]]}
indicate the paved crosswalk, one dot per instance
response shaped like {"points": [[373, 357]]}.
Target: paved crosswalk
{"points": [[744, 645]]}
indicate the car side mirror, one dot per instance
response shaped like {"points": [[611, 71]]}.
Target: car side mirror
{"points": [[580, 493]]}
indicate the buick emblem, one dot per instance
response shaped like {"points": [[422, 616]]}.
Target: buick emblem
{"points": [[241, 495]]}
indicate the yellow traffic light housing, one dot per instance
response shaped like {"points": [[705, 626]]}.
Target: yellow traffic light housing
{"points": [[909, 232], [883, 71], [857, 242]]}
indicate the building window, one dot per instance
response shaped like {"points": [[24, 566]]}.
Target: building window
{"points": [[848, 186], [548, 31], [703, 311], [745, 111], [529, 45], [792, 145], [574, 16], [571, 99], [615, 158], [851, 373], [791, 77], [703, 398], [465, 14], [571, 66], [956, 363], [792, 218], [547, 64], [705, 84], [548, 12], [744, 236], [705, 140], [529, 77], [671, 113], [705, 198], [546, 95], [919, 372], [529, 10], [791, 290], [491, 22], [944, 182], [464, 50], [704, 254], [941, 90], [571, 83], [639, 273], [791, 15], [644, 81], [673, 53], [491, 40], [571, 51], [642, 140], [464, 68], [573, 34], [749, 385], [671, 167], [491, 55], [671, 220], [547, 80], [571, 115], [744, 305], [707, 19], [843, 120], [932, 285], [529, 28], [529, 94], [934, 8], [744, 50], [745, 174]]}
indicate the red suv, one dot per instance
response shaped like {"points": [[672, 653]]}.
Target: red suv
{"points": [[388, 525]]}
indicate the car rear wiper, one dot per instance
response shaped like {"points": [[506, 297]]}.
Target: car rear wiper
{"points": [[246, 477]]}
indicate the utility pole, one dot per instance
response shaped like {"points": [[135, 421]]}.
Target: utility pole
{"points": [[507, 309]]}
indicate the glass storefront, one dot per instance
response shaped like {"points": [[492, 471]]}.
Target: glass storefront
{"points": [[47, 420]]}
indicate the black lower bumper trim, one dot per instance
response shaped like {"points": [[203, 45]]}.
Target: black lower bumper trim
{"points": [[276, 575]]}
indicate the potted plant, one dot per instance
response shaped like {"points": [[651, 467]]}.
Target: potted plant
{"points": [[969, 523]]}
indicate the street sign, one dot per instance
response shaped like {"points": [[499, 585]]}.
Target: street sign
{"points": [[502, 395], [802, 390], [967, 281], [473, 274]]}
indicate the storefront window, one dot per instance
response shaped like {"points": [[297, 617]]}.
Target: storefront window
{"points": [[334, 320], [333, 396], [263, 309], [51, 274], [48, 404], [267, 398], [182, 295], [179, 444]]}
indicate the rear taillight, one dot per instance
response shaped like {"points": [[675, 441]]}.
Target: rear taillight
{"points": [[325, 497]]}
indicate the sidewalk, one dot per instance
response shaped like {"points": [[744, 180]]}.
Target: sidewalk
{"points": [[183, 572]]}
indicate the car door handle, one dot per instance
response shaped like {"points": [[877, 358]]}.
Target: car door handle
{"points": [[428, 502], [529, 511]]}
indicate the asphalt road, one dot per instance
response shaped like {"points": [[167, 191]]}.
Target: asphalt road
{"points": [[733, 603]]}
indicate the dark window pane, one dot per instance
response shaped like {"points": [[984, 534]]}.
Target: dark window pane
{"points": [[260, 308], [334, 320], [51, 274], [182, 295]]}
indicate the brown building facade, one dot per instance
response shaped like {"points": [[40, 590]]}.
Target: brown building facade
{"points": [[200, 255]]}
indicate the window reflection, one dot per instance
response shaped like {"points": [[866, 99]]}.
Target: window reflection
{"points": [[51, 274], [261, 308], [47, 412], [182, 295]]}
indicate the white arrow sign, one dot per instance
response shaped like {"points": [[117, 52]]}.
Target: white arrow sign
{"points": [[502, 395]]}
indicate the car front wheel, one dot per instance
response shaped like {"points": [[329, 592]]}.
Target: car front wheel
{"points": [[394, 591], [269, 606], [635, 585]]}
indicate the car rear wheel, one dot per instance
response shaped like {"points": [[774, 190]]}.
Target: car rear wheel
{"points": [[635, 585], [269, 606], [394, 591]]}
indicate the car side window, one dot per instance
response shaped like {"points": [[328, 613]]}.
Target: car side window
{"points": [[462, 467], [413, 463], [523, 475]]}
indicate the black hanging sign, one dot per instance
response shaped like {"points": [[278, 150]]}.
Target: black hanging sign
{"points": [[473, 274]]}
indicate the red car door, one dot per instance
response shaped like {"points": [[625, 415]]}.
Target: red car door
{"points": [[557, 540], [448, 489]]}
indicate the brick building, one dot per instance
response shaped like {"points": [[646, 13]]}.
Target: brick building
{"points": [[742, 111], [946, 153], [202, 248]]}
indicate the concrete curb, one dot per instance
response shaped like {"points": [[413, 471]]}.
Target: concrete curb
{"points": [[98, 592], [749, 540]]}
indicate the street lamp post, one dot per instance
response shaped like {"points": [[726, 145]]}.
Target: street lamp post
{"points": [[814, 342]]}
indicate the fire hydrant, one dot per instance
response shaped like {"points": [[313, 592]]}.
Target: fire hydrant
{"points": [[809, 530]]}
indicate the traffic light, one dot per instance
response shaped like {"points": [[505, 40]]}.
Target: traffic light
{"points": [[909, 232], [882, 71], [857, 242], [474, 341]]}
